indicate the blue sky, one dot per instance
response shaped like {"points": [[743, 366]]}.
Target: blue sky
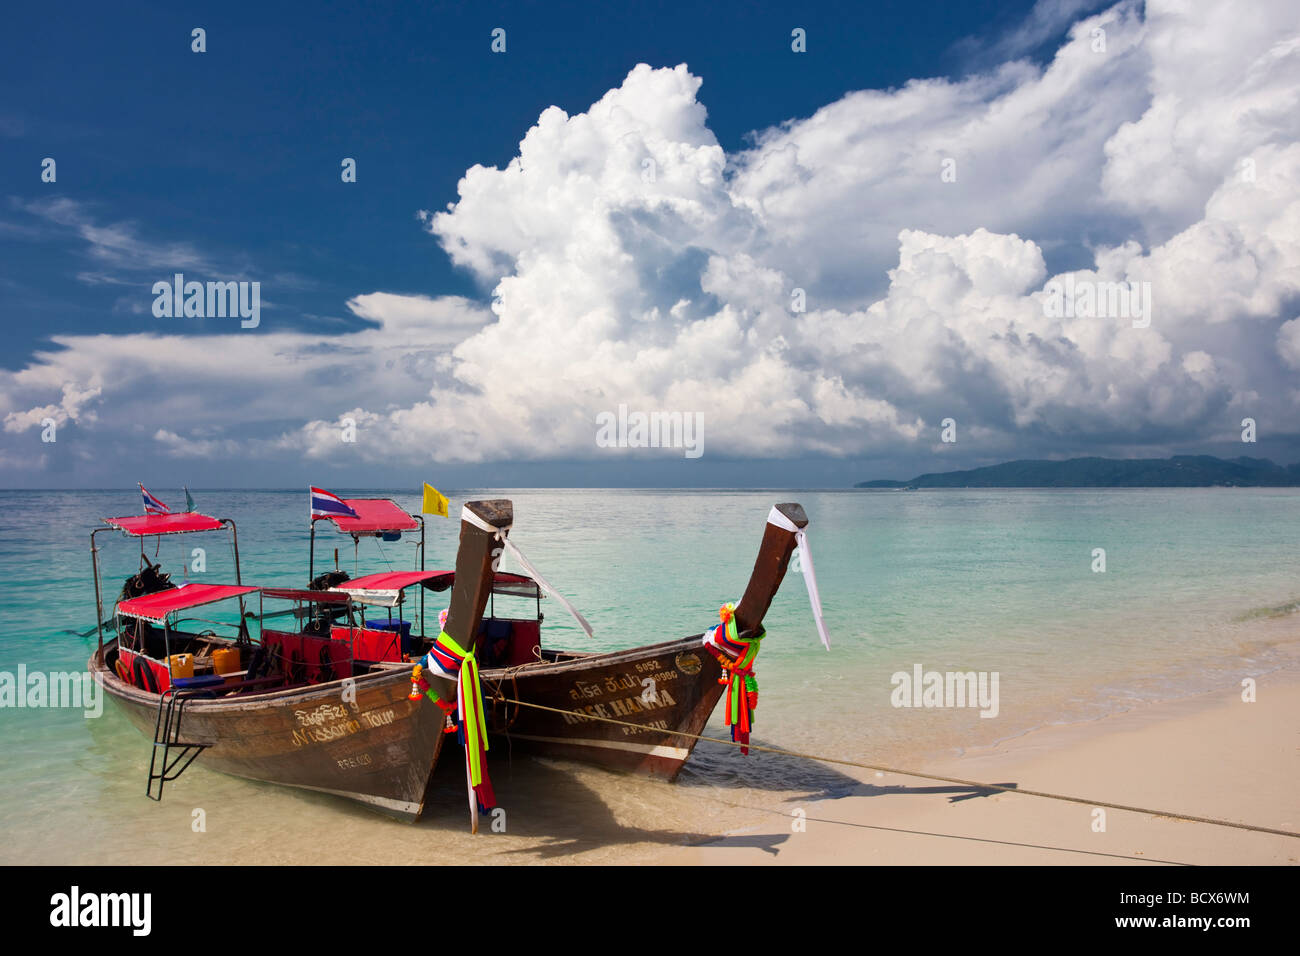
{"points": [[236, 152], [225, 165]]}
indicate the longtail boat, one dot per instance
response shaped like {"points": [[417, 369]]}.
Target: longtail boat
{"points": [[305, 707], [639, 709]]}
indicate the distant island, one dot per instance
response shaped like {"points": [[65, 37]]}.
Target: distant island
{"points": [[1181, 471]]}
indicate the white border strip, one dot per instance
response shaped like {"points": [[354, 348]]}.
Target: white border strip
{"points": [[781, 521], [388, 803], [476, 521], [653, 750]]}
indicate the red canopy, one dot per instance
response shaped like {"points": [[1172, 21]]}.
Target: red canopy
{"points": [[374, 516], [518, 585], [389, 580], [382, 588], [155, 607], [143, 526], [302, 594], [385, 588]]}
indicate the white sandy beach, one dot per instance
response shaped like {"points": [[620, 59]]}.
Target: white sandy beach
{"points": [[1212, 756]]}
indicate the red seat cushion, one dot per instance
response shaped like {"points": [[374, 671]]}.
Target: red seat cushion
{"points": [[314, 658], [369, 644]]}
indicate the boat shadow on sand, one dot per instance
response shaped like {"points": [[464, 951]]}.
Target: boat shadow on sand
{"points": [[548, 807], [567, 817], [805, 781], [718, 765]]}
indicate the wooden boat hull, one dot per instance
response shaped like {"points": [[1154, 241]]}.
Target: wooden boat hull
{"points": [[379, 749], [629, 709], [661, 688]]}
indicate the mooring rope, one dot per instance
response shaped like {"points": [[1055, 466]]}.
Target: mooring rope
{"points": [[974, 784]]}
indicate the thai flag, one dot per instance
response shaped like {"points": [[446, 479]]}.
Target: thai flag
{"points": [[326, 505], [152, 506]]}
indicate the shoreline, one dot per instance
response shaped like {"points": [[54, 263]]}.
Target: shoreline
{"points": [[1275, 636], [1210, 754]]}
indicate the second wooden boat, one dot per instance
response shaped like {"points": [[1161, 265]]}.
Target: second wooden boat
{"points": [[638, 709]]}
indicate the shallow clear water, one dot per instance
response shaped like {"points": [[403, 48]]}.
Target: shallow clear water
{"points": [[981, 580]]}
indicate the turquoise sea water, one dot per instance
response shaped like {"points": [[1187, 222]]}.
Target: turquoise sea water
{"points": [[981, 580]]}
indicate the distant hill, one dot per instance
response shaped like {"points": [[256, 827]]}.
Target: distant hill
{"points": [[1181, 471]]}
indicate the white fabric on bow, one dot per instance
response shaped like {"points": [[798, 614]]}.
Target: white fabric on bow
{"points": [[809, 573], [500, 534]]}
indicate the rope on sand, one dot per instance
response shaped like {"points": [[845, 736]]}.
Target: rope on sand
{"points": [[974, 784]]}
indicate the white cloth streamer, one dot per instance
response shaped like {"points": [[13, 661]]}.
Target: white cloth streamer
{"points": [[543, 583], [510, 546], [809, 573]]}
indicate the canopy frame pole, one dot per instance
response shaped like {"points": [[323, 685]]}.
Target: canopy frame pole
{"points": [[311, 555], [167, 649], [234, 540], [99, 597], [420, 518]]}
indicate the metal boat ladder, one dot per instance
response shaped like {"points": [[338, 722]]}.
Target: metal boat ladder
{"points": [[164, 765]]}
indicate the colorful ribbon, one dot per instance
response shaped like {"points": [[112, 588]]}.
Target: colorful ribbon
{"points": [[448, 659], [736, 657], [473, 731]]}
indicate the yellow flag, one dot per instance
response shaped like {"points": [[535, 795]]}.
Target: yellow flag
{"points": [[435, 502]]}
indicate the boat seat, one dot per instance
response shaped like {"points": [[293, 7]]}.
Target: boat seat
{"points": [[305, 658], [505, 642], [408, 644], [204, 680], [370, 644]]}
